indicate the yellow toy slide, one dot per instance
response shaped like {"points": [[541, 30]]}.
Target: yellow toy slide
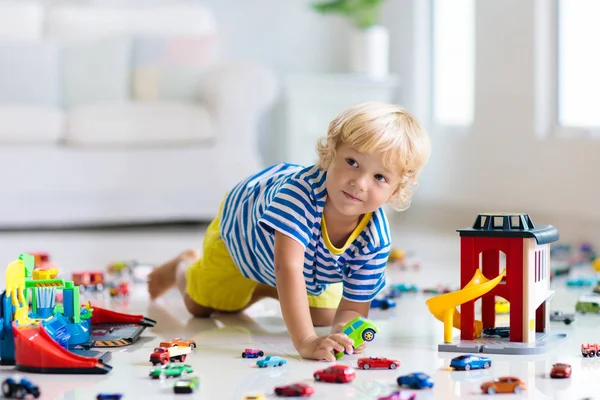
{"points": [[443, 307]]}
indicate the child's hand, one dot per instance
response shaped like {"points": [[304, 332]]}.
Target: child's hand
{"points": [[337, 328], [325, 347]]}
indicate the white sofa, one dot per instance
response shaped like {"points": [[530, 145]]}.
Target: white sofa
{"points": [[121, 114]]}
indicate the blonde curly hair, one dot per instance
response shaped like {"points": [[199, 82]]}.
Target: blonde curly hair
{"points": [[380, 127]]}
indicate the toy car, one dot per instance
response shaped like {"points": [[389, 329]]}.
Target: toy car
{"points": [[295, 390], [416, 380], [335, 373], [255, 396], [559, 316], [171, 370], [468, 361], [89, 280], [109, 396], [505, 384], [393, 293], [582, 281], [590, 350], [178, 342], [502, 331], [18, 388], [400, 395], [252, 353], [377, 363], [502, 306], [405, 287], [560, 370], [439, 289], [186, 384], [384, 304], [396, 255], [360, 330], [271, 361], [118, 289], [588, 303]]}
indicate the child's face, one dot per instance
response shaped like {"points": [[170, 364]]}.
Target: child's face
{"points": [[358, 183]]}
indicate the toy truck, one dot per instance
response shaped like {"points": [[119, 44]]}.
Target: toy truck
{"points": [[590, 350], [165, 355]]}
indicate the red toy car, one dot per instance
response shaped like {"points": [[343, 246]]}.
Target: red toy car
{"points": [[400, 395], [295, 390], [560, 370], [335, 373], [252, 353], [377, 363]]}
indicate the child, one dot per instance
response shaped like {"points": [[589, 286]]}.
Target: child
{"points": [[316, 238]]}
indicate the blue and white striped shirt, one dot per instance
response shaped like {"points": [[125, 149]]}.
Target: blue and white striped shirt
{"points": [[290, 199]]}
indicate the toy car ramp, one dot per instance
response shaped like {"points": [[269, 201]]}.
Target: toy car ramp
{"points": [[105, 316], [115, 329], [443, 307], [36, 351]]}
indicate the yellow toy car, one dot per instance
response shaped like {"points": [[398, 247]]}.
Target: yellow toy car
{"points": [[255, 396], [502, 306]]}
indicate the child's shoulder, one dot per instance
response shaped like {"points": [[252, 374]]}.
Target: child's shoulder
{"points": [[377, 229]]}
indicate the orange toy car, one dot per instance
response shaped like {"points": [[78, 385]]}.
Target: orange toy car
{"points": [[505, 384], [179, 342], [89, 280], [590, 350]]}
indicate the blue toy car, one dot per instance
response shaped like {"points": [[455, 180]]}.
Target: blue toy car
{"points": [[15, 388], [109, 396], [467, 362], [502, 331], [270, 361], [384, 304], [416, 380], [582, 281]]}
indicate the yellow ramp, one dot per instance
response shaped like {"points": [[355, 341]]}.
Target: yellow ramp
{"points": [[443, 307]]}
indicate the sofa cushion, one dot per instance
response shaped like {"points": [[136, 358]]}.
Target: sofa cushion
{"points": [[22, 124], [138, 124], [96, 71], [21, 20], [171, 68], [29, 73]]}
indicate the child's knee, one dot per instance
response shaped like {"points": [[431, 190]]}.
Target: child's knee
{"points": [[322, 316], [196, 309]]}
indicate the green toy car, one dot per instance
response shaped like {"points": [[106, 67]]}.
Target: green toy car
{"points": [[360, 330], [588, 303], [171, 370], [187, 384]]}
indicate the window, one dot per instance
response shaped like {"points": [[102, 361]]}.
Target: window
{"points": [[578, 63], [453, 61]]}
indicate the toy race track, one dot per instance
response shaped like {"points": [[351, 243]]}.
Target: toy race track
{"points": [[115, 329], [443, 307]]}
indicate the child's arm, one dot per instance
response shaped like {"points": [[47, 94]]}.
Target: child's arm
{"points": [[291, 288], [348, 310]]}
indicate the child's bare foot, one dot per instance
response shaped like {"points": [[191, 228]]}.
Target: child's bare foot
{"points": [[162, 278]]}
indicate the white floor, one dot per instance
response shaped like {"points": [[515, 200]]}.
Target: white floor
{"points": [[409, 332]]}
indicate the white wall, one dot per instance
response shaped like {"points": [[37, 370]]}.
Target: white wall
{"points": [[499, 164]]}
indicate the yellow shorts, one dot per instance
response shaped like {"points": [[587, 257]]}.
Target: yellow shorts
{"points": [[216, 282]]}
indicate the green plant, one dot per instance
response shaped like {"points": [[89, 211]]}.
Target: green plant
{"points": [[362, 13]]}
